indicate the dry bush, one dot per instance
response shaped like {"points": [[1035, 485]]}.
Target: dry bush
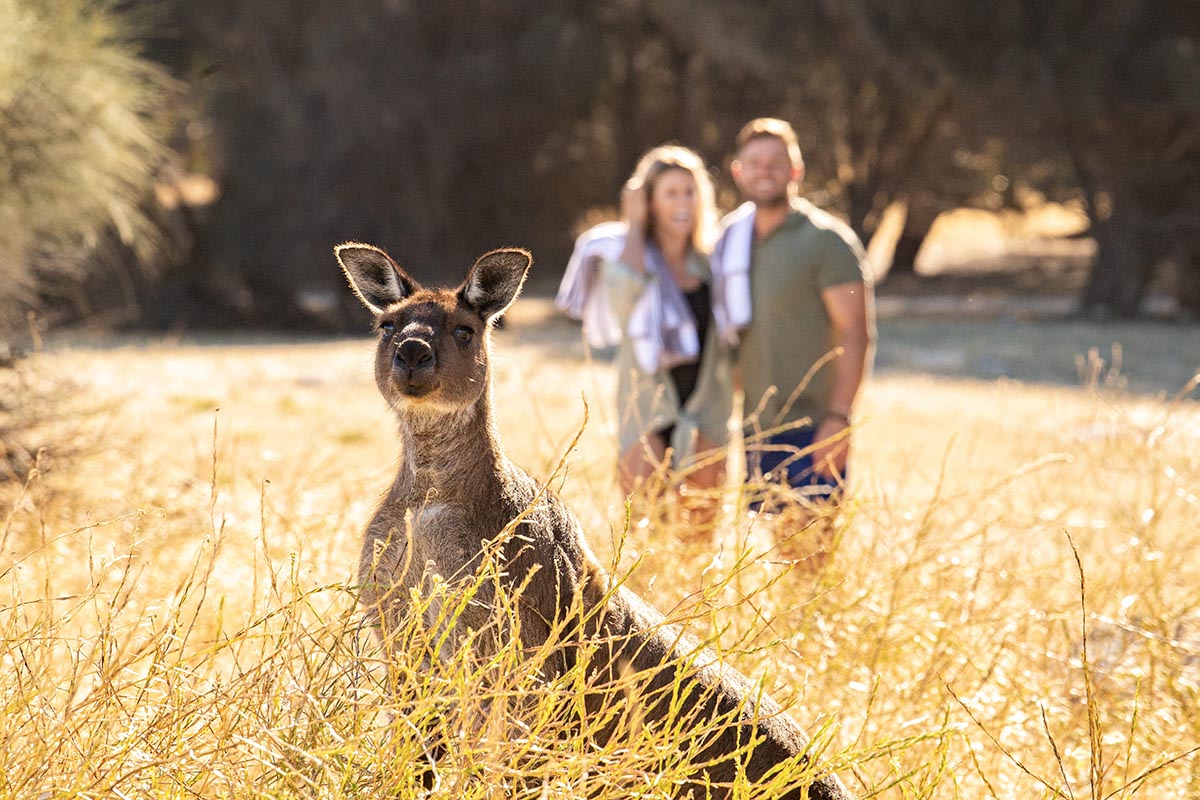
{"points": [[83, 126], [46, 419]]}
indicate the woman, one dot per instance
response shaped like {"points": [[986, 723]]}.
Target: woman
{"points": [[644, 285]]}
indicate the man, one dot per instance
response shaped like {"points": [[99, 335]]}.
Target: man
{"points": [[810, 334]]}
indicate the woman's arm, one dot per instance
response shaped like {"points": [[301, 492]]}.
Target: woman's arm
{"points": [[634, 211]]}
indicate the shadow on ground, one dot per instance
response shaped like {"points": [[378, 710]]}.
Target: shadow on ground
{"points": [[1140, 357]]}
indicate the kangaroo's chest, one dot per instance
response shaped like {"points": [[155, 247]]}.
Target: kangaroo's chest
{"points": [[440, 535]]}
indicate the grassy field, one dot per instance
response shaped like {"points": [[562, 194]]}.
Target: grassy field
{"points": [[1010, 612]]}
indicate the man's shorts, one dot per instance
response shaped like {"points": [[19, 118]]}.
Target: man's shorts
{"points": [[774, 461]]}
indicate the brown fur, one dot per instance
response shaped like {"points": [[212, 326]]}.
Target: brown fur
{"points": [[456, 492]]}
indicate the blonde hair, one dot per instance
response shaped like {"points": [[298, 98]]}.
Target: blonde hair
{"points": [[668, 157]]}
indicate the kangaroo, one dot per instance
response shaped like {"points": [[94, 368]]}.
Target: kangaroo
{"points": [[456, 492]]}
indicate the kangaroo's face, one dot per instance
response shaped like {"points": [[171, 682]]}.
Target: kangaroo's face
{"points": [[432, 352]]}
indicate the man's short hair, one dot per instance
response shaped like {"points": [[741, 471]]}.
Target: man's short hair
{"points": [[765, 127]]}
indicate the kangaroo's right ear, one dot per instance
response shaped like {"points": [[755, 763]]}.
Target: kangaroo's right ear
{"points": [[495, 281], [374, 276]]}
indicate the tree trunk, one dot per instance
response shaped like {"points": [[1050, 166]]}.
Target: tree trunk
{"points": [[920, 212], [1118, 279], [904, 258], [1187, 287], [861, 201]]}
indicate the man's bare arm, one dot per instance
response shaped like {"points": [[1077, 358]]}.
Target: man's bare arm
{"points": [[848, 307]]}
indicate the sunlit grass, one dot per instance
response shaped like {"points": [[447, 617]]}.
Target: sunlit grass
{"points": [[178, 614]]}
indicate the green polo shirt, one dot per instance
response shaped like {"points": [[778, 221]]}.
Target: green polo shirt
{"points": [[790, 331]]}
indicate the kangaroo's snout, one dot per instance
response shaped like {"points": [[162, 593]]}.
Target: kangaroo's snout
{"points": [[413, 364], [414, 354]]}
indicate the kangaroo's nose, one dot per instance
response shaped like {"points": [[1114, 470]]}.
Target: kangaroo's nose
{"points": [[413, 354]]}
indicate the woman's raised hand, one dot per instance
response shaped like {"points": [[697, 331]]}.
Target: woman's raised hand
{"points": [[635, 205]]}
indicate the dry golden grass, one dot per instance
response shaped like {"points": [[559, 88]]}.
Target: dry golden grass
{"points": [[178, 620]]}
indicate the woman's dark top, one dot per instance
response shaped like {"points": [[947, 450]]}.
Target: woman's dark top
{"points": [[685, 375]]}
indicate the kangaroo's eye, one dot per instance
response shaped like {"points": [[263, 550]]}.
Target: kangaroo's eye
{"points": [[388, 327], [463, 334]]}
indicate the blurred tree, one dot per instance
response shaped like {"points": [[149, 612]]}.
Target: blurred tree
{"points": [[1128, 111], [875, 129], [895, 115], [942, 104], [444, 128], [880, 115], [82, 137], [440, 129], [1101, 99]]}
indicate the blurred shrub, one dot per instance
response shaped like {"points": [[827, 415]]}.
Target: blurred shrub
{"points": [[83, 125]]}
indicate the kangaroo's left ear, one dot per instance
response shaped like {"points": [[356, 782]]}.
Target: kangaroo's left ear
{"points": [[495, 281]]}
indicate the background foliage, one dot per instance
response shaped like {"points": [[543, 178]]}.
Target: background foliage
{"points": [[443, 129], [83, 134]]}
